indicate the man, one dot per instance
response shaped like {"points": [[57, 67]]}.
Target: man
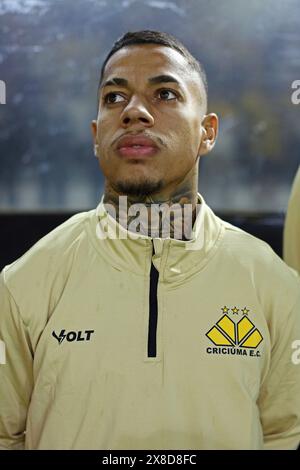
{"points": [[292, 227], [118, 339]]}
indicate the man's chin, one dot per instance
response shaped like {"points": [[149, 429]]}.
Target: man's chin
{"points": [[138, 188]]}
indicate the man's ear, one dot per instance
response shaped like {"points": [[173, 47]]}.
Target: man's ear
{"points": [[209, 128], [95, 139]]}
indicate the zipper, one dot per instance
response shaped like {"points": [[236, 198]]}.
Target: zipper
{"points": [[153, 311]]}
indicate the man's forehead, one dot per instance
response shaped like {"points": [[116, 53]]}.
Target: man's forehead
{"points": [[160, 59]]}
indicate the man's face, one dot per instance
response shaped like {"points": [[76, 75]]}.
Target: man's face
{"points": [[170, 113]]}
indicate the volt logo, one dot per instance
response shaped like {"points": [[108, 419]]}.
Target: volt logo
{"points": [[73, 335]]}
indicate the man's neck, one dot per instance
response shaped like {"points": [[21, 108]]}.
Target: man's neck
{"points": [[165, 214]]}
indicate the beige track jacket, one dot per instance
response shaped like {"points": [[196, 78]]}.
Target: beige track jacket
{"points": [[107, 345], [292, 227]]}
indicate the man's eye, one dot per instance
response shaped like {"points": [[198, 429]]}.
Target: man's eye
{"points": [[164, 93], [107, 97]]}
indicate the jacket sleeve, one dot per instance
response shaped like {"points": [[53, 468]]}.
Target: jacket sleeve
{"points": [[15, 372], [279, 400], [291, 246]]}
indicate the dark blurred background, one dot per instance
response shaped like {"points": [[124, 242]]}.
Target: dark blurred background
{"points": [[51, 53]]}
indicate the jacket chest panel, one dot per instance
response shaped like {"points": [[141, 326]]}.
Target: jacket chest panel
{"points": [[196, 333]]}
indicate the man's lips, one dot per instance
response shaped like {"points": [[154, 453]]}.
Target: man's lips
{"points": [[136, 146]]}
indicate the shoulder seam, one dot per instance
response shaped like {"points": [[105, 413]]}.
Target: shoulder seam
{"points": [[82, 223], [12, 296]]}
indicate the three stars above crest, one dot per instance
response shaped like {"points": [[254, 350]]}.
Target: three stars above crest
{"points": [[235, 310]]}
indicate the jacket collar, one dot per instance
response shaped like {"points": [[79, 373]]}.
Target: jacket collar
{"points": [[174, 259]]}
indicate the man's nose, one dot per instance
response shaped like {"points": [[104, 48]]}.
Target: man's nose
{"points": [[136, 112]]}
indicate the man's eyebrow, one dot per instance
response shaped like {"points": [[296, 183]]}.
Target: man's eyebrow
{"points": [[117, 81], [163, 79]]}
